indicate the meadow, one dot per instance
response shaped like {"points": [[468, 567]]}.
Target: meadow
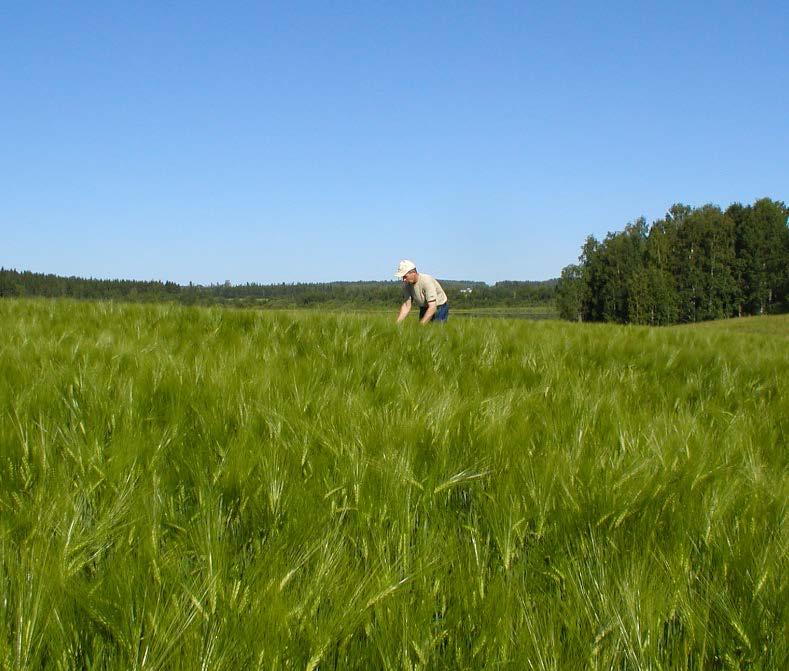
{"points": [[202, 488]]}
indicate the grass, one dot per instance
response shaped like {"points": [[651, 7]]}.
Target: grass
{"points": [[521, 312], [203, 488]]}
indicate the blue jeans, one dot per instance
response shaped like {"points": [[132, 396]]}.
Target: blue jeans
{"points": [[441, 315]]}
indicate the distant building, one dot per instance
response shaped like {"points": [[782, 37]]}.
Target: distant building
{"points": [[467, 290]]}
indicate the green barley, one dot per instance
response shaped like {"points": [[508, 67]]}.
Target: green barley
{"points": [[207, 488]]}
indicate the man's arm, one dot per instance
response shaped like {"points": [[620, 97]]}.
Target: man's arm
{"points": [[431, 310], [405, 308]]}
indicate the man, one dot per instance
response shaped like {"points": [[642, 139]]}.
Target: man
{"points": [[425, 291]]}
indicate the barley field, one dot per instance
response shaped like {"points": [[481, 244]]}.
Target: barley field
{"points": [[193, 488]]}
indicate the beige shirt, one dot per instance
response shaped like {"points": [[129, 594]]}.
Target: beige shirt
{"points": [[425, 290]]}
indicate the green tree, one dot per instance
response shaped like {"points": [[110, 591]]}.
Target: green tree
{"points": [[594, 280], [693, 264], [620, 264], [717, 259], [569, 293], [659, 253], [761, 259]]}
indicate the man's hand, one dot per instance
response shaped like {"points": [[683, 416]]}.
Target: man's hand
{"points": [[405, 308], [431, 310]]}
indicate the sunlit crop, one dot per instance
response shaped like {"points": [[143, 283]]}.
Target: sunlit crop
{"points": [[217, 489]]}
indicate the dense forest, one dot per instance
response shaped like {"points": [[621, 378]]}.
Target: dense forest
{"points": [[692, 265], [357, 295]]}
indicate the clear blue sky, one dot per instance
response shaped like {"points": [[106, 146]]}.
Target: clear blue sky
{"points": [[316, 141]]}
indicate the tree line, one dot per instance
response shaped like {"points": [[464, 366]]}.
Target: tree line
{"points": [[317, 294], [694, 264]]}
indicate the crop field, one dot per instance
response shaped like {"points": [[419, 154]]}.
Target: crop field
{"points": [[195, 488]]}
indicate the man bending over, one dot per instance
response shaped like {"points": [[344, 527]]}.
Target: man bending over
{"points": [[425, 291]]}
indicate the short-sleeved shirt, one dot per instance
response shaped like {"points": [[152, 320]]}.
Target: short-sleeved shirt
{"points": [[425, 290]]}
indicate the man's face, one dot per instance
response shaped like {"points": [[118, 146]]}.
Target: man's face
{"points": [[411, 276]]}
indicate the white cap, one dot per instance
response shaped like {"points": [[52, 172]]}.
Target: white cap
{"points": [[404, 266]]}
